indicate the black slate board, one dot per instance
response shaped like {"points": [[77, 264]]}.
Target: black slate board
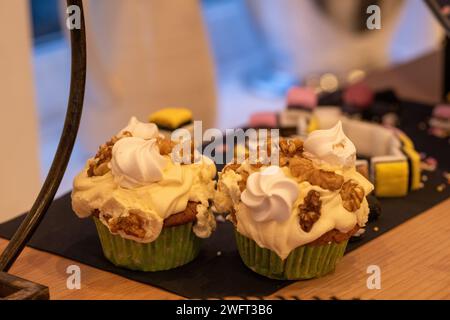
{"points": [[213, 275]]}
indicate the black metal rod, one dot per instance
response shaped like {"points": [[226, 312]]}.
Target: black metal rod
{"points": [[65, 146], [437, 7]]}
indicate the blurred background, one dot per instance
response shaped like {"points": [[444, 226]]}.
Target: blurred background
{"points": [[225, 59]]}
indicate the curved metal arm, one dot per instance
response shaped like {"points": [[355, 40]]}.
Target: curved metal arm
{"points": [[65, 146]]}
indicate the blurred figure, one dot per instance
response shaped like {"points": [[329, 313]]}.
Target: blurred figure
{"points": [[316, 36], [144, 55], [19, 163]]}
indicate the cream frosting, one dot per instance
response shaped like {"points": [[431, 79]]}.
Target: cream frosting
{"points": [[275, 224], [331, 146], [270, 195], [283, 236], [144, 183], [136, 162], [153, 202]]}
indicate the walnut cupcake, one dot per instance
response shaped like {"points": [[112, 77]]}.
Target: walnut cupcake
{"points": [[151, 211], [293, 220]]}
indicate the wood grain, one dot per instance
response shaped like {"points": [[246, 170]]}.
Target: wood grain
{"points": [[414, 259]]}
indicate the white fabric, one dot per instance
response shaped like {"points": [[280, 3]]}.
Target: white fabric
{"points": [[304, 41], [19, 164], [142, 56]]}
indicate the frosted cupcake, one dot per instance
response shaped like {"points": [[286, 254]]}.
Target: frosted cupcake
{"points": [[293, 220], [151, 211]]}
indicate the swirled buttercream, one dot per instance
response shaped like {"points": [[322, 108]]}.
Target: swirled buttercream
{"points": [[331, 146], [136, 162], [270, 195]]}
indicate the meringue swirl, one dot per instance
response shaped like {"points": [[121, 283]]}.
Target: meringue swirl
{"points": [[136, 162], [331, 146], [141, 129], [270, 195]]}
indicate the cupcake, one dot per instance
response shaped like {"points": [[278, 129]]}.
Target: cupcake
{"points": [[151, 210], [293, 220]]}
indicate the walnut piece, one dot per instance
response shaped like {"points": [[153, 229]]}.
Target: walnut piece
{"points": [[243, 182], [132, 225], [352, 195], [309, 211], [290, 147], [326, 179], [165, 146], [303, 169]]}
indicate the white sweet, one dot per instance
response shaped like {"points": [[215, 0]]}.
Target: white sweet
{"points": [[331, 146], [270, 195], [141, 129], [136, 162]]}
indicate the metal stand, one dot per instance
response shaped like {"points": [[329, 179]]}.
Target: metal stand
{"points": [[12, 287]]}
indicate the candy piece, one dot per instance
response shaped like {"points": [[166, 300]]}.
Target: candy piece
{"points": [[442, 111], [359, 96], [301, 97], [171, 118], [263, 120]]}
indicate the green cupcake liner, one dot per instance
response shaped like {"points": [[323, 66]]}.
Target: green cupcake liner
{"points": [[174, 247], [305, 262]]}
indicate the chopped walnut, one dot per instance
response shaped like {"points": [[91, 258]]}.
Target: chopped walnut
{"points": [[231, 166], [132, 225], [257, 165], [243, 182], [290, 147], [352, 195], [303, 169], [309, 211], [99, 165], [284, 161], [326, 179], [165, 146]]}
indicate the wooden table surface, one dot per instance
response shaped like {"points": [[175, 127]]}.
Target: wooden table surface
{"points": [[414, 258]]}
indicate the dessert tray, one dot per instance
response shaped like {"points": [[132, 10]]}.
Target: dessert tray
{"points": [[218, 271]]}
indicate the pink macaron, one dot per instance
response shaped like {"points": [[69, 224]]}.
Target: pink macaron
{"points": [[301, 97], [359, 96], [442, 111], [263, 120]]}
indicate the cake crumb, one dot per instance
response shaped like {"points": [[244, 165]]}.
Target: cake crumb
{"points": [[219, 253], [440, 187], [376, 229], [424, 178]]}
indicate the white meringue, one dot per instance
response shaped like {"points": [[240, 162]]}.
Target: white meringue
{"points": [[331, 146], [270, 195], [141, 129], [136, 162]]}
